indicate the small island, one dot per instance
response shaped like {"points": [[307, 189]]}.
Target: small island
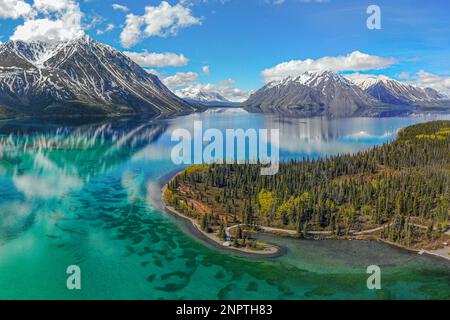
{"points": [[398, 193]]}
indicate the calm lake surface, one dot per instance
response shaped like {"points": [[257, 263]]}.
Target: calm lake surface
{"points": [[85, 195]]}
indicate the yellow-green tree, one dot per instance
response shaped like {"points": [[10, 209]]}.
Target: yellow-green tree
{"points": [[266, 201]]}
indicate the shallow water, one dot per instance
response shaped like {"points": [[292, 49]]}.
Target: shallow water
{"points": [[85, 194]]}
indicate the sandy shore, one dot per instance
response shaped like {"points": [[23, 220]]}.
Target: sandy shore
{"points": [[269, 252], [441, 253]]}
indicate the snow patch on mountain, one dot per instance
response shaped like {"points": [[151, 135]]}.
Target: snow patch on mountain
{"points": [[196, 95], [310, 79], [200, 95], [81, 76], [312, 94], [392, 91]]}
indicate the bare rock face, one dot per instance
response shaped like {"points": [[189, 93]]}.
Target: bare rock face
{"points": [[79, 77], [394, 92], [330, 94], [312, 94]]}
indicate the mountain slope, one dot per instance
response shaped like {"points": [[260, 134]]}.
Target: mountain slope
{"points": [[312, 94], [79, 77], [197, 96], [394, 92]]}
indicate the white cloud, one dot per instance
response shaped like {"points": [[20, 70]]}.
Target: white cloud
{"points": [[363, 76], [225, 88], [162, 21], [109, 27], [14, 9], [120, 7], [158, 60], [403, 75], [180, 79], [421, 79], [206, 70], [53, 21], [93, 20], [429, 80], [355, 61], [167, 20], [131, 34], [49, 6]]}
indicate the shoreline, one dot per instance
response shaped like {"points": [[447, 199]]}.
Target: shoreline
{"points": [[209, 238], [360, 235], [195, 230]]}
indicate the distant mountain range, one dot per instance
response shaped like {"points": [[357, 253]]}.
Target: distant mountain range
{"points": [[199, 97], [79, 77], [394, 92], [84, 77], [330, 94]]}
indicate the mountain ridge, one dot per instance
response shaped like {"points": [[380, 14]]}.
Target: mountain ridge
{"points": [[330, 94], [392, 91], [79, 77], [197, 96], [312, 94]]}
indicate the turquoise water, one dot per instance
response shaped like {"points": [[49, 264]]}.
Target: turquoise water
{"points": [[86, 195]]}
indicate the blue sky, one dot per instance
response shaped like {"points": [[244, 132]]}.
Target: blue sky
{"points": [[238, 39]]}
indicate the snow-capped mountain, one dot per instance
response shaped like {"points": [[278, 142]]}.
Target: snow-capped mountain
{"points": [[78, 77], [312, 94], [394, 92], [197, 96]]}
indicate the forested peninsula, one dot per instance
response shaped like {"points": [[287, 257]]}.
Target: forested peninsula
{"points": [[397, 192]]}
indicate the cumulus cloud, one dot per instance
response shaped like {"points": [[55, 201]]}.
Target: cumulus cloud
{"points": [[120, 7], [363, 76], [161, 21], [225, 88], [206, 70], [49, 6], [158, 60], [355, 61], [180, 79], [429, 80], [131, 34], [51, 21], [14, 9], [421, 79]]}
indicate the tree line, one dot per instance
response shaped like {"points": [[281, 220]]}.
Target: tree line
{"points": [[403, 185]]}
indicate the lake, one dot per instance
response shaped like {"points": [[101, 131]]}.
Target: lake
{"points": [[84, 194]]}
